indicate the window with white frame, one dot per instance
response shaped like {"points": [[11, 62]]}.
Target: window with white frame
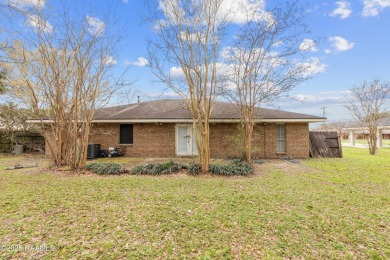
{"points": [[281, 138]]}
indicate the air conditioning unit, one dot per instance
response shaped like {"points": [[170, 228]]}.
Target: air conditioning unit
{"points": [[93, 151]]}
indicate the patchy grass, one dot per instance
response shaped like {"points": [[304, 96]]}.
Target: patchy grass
{"points": [[323, 208], [8, 160]]}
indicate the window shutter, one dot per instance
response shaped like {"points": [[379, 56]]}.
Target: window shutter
{"points": [[126, 134]]}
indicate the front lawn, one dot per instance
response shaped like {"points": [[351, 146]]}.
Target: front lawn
{"points": [[322, 208]]}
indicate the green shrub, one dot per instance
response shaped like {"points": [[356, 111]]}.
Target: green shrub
{"points": [[193, 168], [104, 168], [137, 170], [157, 169], [237, 161], [237, 167]]}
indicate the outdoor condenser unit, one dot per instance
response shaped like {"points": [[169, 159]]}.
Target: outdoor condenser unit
{"points": [[93, 151]]}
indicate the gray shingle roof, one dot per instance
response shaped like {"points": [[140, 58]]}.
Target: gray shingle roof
{"points": [[177, 109]]}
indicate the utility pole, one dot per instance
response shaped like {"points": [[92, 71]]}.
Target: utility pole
{"points": [[323, 113]]}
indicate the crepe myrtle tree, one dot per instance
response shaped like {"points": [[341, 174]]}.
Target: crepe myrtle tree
{"points": [[61, 72], [184, 55], [265, 62], [2, 81], [368, 104]]}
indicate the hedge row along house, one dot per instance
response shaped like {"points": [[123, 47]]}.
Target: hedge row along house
{"points": [[164, 128]]}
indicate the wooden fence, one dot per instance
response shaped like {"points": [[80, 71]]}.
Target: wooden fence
{"points": [[325, 144]]}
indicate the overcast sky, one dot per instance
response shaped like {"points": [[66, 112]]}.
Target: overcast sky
{"points": [[349, 42]]}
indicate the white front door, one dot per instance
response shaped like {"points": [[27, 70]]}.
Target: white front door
{"points": [[185, 141]]}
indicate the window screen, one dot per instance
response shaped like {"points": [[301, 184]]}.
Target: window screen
{"points": [[126, 134], [280, 138]]}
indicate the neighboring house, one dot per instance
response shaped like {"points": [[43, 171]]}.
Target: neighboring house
{"points": [[163, 128], [356, 131]]}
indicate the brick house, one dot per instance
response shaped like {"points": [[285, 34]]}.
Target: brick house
{"points": [[163, 128]]}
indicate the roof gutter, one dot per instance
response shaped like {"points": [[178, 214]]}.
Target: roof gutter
{"points": [[298, 120]]}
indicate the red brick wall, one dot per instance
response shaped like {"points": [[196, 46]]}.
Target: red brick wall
{"points": [[297, 138], [158, 140], [149, 140], [264, 140]]}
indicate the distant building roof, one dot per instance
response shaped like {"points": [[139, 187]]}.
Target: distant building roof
{"points": [[383, 124]]}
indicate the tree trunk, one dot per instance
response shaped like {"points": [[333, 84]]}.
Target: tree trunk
{"points": [[202, 138], [205, 159], [83, 158], [248, 135], [372, 141], [247, 131]]}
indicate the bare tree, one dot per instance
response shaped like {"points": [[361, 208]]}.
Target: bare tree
{"points": [[62, 73], [368, 105], [335, 126], [185, 57], [263, 62], [12, 120], [126, 97], [2, 81]]}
